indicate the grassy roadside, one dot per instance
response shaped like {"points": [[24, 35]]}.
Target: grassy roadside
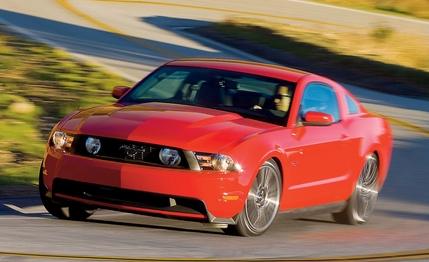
{"points": [[38, 86], [380, 59], [415, 8]]}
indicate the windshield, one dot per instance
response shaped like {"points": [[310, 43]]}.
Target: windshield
{"points": [[256, 97]]}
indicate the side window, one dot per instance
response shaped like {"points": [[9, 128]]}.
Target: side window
{"points": [[320, 98], [352, 106]]}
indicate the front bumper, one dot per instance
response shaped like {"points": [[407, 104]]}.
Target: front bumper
{"points": [[221, 194]]}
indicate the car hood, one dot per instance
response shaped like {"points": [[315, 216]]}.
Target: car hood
{"points": [[182, 126]]}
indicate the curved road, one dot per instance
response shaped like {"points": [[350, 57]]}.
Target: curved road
{"points": [[131, 38]]}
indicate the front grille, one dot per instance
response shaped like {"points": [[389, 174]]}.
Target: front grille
{"points": [[126, 197], [125, 151]]}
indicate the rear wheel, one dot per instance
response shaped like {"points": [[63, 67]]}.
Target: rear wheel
{"points": [[262, 203], [61, 211], [362, 202]]}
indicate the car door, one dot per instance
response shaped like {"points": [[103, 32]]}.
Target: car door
{"points": [[316, 154]]}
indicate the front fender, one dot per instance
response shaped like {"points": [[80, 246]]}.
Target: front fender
{"points": [[253, 153]]}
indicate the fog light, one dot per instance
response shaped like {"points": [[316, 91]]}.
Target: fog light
{"points": [[169, 157], [93, 145]]}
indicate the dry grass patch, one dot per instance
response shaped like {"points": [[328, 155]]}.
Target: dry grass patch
{"points": [[416, 8], [381, 43]]}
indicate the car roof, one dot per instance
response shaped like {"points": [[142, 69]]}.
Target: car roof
{"points": [[267, 70]]}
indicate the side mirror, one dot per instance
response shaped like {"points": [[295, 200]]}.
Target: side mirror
{"points": [[119, 91], [313, 118]]}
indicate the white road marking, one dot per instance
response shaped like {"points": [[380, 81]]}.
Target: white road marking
{"points": [[39, 209], [413, 20]]}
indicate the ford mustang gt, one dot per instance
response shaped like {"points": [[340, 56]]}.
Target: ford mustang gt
{"points": [[225, 142]]}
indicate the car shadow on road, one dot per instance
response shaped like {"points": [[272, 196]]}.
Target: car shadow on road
{"points": [[31, 208], [317, 220], [155, 226]]}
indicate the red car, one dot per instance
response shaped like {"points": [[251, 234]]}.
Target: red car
{"points": [[231, 143]]}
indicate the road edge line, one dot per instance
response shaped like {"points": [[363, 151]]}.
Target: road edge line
{"points": [[416, 254]]}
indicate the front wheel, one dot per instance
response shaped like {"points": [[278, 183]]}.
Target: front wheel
{"points": [[61, 211], [362, 202], [262, 203]]}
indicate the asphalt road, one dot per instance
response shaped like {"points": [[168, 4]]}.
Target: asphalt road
{"points": [[154, 34]]}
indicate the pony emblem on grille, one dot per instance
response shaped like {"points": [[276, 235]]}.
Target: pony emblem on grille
{"points": [[133, 152]]}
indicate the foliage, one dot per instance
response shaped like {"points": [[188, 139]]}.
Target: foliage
{"points": [[38, 86]]}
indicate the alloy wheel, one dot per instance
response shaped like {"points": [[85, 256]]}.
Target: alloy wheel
{"points": [[263, 200], [366, 190]]}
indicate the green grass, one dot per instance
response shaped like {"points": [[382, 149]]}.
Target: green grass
{"points": [[380, 58], [38, 86], [415, 8]]}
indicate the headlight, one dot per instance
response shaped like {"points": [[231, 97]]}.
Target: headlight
{"points": [[61, 140], [222, 162], [93, 145], [169, 157], [217, 162]]}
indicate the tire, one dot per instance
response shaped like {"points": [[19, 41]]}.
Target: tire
{"points": [[79, 213], [60, 211], [262, 204], [361, 204]]}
